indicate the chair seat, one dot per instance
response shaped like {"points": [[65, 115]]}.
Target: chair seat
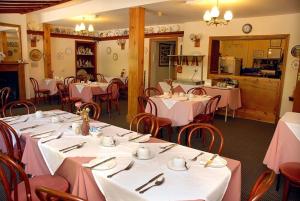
{"points": [[54, 182], [43, 91], [203, 118], [291, 170], [163, 121]]}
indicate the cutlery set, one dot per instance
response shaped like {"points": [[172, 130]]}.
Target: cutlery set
{"points": [[136, 137], [70, 148], [122, 135], [166, 148], [57, 137], [157, 179]]}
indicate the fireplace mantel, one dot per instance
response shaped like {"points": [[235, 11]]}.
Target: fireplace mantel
{"points": [[16, 67]]}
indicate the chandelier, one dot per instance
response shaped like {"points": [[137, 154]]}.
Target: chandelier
{"points": [[81, 27], [212, 17]]}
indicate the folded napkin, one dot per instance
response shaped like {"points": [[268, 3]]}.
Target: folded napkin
{"points": [[295, 128], [169, 103], [79, 87]]}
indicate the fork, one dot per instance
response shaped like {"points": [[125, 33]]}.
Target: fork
{"points": [[129, 166]]}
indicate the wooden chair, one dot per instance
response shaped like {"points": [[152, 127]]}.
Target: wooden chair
{"points": [[209, 111], [151, 91], [197, 91], [48, 194], [65, 99], [262, 185], [291, 173], [161, 122], [4, 94], [194, 127], [95, 109], [146, 121], [7, 109], [11, 173], [100, 77], [111, 97], [38, 91]]}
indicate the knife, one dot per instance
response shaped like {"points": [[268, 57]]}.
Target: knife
{"points": [[102, 162], [136, 137], [150, 181], [166, 149], [22, 129], [37, 134], [210, 160]]}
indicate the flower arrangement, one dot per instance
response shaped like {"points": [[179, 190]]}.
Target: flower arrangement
{"points": [[84, 113], [2, 56]]}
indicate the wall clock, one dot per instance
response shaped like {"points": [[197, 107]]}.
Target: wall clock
{"points": [[247, 28]]}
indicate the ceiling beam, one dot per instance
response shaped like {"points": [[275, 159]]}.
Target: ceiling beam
{"points": [[34, 2]]}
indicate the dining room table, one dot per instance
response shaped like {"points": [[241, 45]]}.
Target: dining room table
{"points": [[285, 144], [86, 91], [51, 147], [50, 84]]}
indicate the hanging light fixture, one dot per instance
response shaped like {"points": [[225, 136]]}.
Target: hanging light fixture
{"points": [[212, 17], [81, 27]]}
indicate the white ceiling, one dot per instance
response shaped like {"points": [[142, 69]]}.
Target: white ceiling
{"points": [[177, 11]]}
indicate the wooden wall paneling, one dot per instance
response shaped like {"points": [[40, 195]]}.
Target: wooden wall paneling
{"points": [[47, 51], [136, 59]]}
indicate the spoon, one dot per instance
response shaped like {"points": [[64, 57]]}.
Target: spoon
{"points": [[158, 182]]}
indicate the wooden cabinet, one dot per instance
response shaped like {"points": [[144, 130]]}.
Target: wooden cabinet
{"points": [[86, 59]]}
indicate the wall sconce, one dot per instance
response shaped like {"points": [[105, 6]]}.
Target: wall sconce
{"points": [[196, 39], [121, 42]]}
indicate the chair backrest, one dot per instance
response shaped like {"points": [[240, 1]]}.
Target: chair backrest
{"points": [[146, 101], [113, 91], [7, 109], [11, 173], [197, 91], [151, 91], [4, 94], [212, 105], [262, 185], [205, 129], [48, 194], [145, 121], [118, 81], [9, 136], [63, 90], [69, 80], [95, 109], [35, 84], [100, 77]]}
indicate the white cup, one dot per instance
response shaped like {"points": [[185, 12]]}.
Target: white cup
{"points": [[55, 119], [39, 114], [107, 141], [143, 152], [178, 162], [76, 128], [181, 94]]}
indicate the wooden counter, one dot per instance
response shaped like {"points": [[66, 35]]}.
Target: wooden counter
{"points": [[260, 97]]}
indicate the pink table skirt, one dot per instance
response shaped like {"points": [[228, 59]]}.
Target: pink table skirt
{"points": [[182, 113], [49, 84], [87, 92], [284, 147]]}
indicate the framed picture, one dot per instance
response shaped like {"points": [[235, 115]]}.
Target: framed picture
{"points": [[275, 43], [274, 53], [165, 49]]}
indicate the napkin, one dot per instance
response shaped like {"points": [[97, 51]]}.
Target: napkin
{"points": [[169, 103], [79, 87]]}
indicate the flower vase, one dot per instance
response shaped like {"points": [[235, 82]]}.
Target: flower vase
{"points": [[85, 127]]}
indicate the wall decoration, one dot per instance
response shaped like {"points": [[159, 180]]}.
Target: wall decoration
{"points": [[196, 39], [296, 51], [165, 49], [295, 64], [108, 50], [10, 53], [275, 43], [274, 53], [115, 56], [35, 55], [247, 28], [59, 55]]}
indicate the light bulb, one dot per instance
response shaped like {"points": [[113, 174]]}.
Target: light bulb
{"points": [[77, 28], [82, 26], [207, 16], [228, 15], [91, 28], [215, 12]]}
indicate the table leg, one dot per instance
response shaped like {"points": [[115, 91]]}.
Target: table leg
{"points": [[233, 114], [226, 113]]}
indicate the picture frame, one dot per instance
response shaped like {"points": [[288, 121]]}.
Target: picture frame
{"points": [[165, 49], [275, 43], [274, 53]]}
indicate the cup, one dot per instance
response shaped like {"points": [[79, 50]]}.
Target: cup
{"points": [[55, 119], [143, 153], [181, 94], [39, 114], [178, 162], [76, 128], [108, 141]]}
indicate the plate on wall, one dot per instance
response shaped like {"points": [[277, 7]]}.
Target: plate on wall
{"points": [[108, 50], [115, 56], [35, 55]]}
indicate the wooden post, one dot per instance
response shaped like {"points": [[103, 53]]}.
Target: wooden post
{"points": [[136, 59], [3, 39], [47, 51]]}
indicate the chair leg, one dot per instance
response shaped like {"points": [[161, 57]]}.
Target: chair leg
{"points": [[286, 186], [278, 182], [170, 133]]}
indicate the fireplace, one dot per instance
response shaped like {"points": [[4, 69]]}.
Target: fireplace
{"points": [[13, 75]]}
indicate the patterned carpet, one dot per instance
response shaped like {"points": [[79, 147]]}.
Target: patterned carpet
{"points": [[244, 140]]}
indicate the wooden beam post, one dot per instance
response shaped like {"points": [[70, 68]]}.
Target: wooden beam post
{"points": [[135, 59], [47, 51], [3, 45]]}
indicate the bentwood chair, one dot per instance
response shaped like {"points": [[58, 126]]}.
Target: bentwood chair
{"points": [[8, 109], [48, 194], [100, 77], [95, 109], [205, 129], [111, 97], [161, 122], [38, 92], [209, 112], [65, 99], [262, 185], [18, 187], [144, 121], [197, 91], [151, 91], [69, 80], [4, 94]]}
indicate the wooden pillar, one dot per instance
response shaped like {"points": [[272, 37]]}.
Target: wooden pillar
{"points": [[47, 51], [3, 45], [136, 59]]}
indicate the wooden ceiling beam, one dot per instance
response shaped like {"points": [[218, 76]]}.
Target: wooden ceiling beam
{"points": [[34, 2]]}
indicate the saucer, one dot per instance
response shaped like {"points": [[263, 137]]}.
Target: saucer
{"points": [[105, 166], [150, 157], [171, 167], [218, 162], [111, 145]]}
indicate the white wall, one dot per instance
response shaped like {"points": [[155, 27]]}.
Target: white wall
{"points": [[267, 25]]}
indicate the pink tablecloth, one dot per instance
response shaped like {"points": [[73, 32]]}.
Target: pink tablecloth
{"points": [[49, 84], [285, 146], [87, 92], [81, 179], [182, 113]]}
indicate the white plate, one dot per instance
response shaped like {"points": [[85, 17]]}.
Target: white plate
{"points": [[105, 166], [171, 167], [150, 157], [218, 162]]}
